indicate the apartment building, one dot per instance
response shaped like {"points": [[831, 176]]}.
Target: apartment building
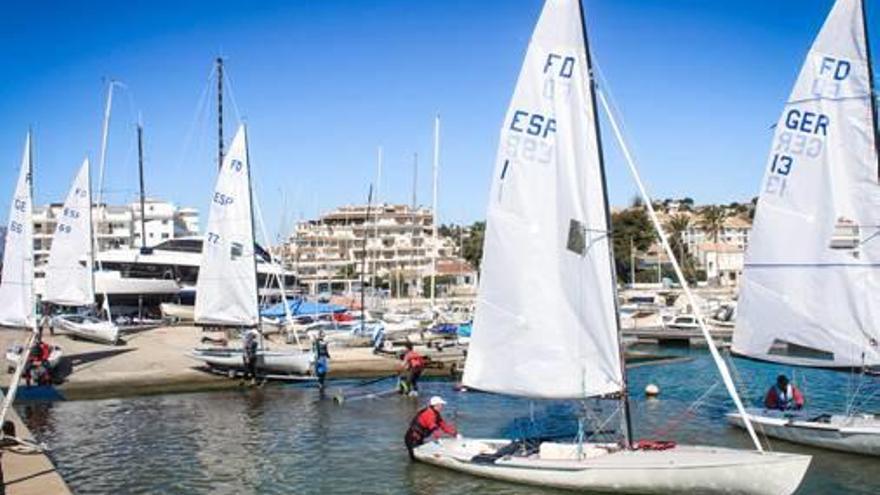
{"points": [[328, 253], [118, 226]]}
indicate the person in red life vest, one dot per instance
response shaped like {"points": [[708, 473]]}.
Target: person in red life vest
{"points": [[411, 369], [426, 424], [783, 396], [37, 367]]}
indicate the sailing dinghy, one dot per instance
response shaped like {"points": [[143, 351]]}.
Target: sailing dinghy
{"points": [[17, 299], [226, 288], [809, 293], [70, 275], [547, 246]]}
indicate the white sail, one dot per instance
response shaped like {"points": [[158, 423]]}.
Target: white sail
{"points": [[545, 323], [812, 276], [17, 287], [69, 279], [226, 290]]}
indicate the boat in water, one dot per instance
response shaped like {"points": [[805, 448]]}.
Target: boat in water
{"points": [[807, 295], [546, 312], [226, 288]]}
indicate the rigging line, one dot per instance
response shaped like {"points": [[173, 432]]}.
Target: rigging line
{"points": [[664, 242], [198, 116], [232, 96], [676, 422]]}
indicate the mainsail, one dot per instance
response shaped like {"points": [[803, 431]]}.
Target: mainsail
{"points": [[69, 277], [810, 292], [226, 290], [17, 287], [545, 323]]}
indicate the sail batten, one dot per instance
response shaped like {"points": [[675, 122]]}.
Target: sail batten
{"points": [[16, 288], [69, 279], [226, 289], [812, 271], [545, 322]]}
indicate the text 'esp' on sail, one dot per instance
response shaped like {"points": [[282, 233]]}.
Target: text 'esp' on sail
{"points": [[226, 289], [17, 287], [545, 323], [69, 278], [811, 284]]}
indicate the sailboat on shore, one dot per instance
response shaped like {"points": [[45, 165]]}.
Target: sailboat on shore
{"points": [[70, 274], [810, 292], [548, 246], [226, 289], [17, 299]]}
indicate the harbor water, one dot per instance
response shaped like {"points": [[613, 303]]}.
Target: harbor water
{"points": [[285, 439]]}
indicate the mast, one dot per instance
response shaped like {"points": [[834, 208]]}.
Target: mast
{"points": [[415, 228], [219, 63], [30, 180], [624, 392], [92, 243], [140, 138], [105, 132], [364, 259], [378, 253], [871, 88], [434, 208], [253, 246]]}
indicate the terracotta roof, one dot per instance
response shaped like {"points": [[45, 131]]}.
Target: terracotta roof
{"points": [[719, 247], [454, 266]]}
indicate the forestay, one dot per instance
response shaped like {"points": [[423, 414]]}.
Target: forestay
{"points": [[17, 287], [811, 275], [226, 290], [69, 279], [545, 323]]}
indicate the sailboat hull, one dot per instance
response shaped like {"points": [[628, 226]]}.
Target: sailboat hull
{"points": [[681, 469], [275, 362], [87, 328], [854, 434]]}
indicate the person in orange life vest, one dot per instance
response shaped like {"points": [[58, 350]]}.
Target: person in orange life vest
{"points": [[412, 367], [427, 423], [783, 396]]}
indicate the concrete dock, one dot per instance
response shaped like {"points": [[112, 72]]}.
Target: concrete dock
{"points": [[661, 335], [30, 473], [154, 361]]}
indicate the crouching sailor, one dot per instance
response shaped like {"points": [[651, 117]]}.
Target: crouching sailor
{"points": [[427, 423], [783, 396]]}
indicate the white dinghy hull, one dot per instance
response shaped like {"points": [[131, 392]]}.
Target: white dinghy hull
{"points": [[854, 434], [681, 469], [274, 362], [87, 328]]}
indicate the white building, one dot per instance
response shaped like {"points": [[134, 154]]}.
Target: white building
{"points": [[118, 226], [328, 253], [723, 262]]}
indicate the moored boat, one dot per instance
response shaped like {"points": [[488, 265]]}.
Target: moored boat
{"points": [[806, 296]]}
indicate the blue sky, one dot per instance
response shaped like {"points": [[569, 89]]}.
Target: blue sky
{"points": [[323, 83]]}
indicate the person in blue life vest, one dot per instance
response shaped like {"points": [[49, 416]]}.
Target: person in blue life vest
{"points": [[322, 360], [784, 396]]}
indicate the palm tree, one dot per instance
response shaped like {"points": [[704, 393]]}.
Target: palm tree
{"points": [[713, 221], [677, 226]]}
